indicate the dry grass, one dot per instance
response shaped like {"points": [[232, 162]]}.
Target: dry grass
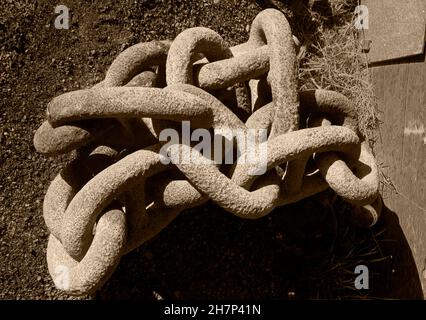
{"points": [[353, 247], [332, 59]]}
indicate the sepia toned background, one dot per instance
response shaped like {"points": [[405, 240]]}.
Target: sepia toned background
{"points": [[298, 252]]}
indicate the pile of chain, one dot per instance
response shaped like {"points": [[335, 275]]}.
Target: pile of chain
{"points": [[117, 193]]}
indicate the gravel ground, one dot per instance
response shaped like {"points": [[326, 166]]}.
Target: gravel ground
{"points": [[205, 253]]}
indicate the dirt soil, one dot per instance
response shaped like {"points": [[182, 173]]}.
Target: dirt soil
{"points": [[204, 253]]}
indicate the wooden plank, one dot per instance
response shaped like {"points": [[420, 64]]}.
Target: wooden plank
{"points": [[421, 166], [378, 78], [411, 188], [380, 152], [396, 28], [401, 148], [414, 139], [391, 131]]}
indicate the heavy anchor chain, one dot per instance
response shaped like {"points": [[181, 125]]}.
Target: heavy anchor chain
{"points": [[118, 192]]}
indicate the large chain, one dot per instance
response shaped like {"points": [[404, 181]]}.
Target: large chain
{"points": [[118, 192]]}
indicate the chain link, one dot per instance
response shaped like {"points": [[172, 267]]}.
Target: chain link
{"points": [[118, 192]]}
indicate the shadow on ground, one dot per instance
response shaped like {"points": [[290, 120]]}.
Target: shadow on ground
{"points": [[301, 251], [205, 253]]}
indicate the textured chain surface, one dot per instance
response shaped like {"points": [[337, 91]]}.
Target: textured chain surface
{"points": [[118, 193]]}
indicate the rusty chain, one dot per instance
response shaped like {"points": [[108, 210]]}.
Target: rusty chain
{"points": [[117, 193]]}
